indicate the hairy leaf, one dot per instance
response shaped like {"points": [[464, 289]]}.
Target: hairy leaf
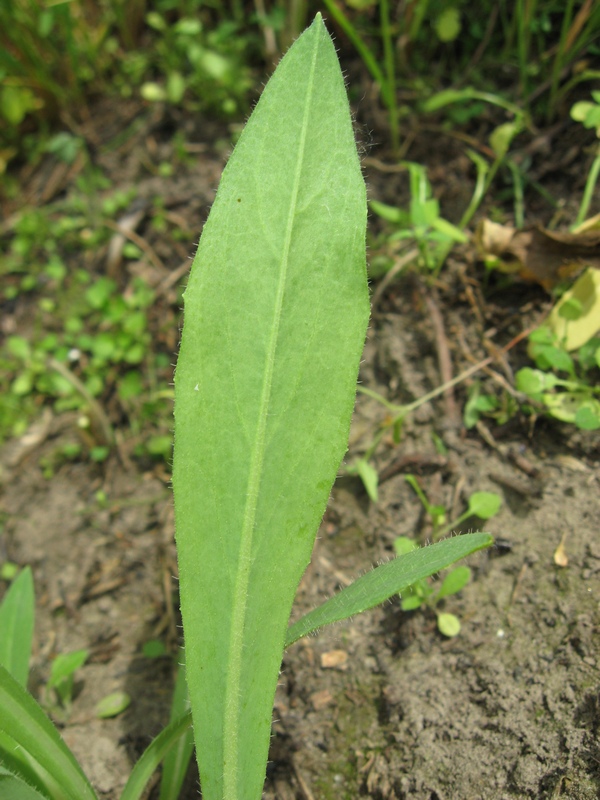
{"points": [[275, 316]]}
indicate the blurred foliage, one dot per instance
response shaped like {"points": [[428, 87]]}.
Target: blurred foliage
{"points": [[57, 55], [83, 340], [86, 337]]}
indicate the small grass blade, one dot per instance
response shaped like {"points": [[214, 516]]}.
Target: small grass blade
{"points": [[153, 755], [16, 626], [178, 759], [387, 580]]}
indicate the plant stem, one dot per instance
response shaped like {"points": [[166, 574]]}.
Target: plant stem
{"points": [[588, 192], [401, 411], [363, 50], [559, 58]]}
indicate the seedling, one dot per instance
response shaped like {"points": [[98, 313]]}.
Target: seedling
{"points": [[436, 513], [422, 224], [588, 113], [60, 686], [423, 593], [483, 505], [479, 404], [275, 315]]}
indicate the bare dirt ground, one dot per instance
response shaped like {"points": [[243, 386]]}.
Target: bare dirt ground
{"points": [[509, 709]]}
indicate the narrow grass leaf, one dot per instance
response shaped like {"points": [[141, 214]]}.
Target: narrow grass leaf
{"points": [[23, 721], [387, 580], [153, 755], [275, 317], [178, 759], [16, 626]]}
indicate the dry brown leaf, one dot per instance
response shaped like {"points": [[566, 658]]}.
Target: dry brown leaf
{"points": [[537, 254]]}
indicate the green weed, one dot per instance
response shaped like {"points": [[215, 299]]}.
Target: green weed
{"points": [[58, 693], [566, 352], [481, 505], [421, 226], [564, 385], [479, 404]]}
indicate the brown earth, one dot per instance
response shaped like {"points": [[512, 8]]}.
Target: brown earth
{"points": [[509, 709]]}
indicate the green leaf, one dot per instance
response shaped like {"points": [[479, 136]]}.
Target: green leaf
{"points": [[404, 545], [530, 381], [153, 755], [64, 665], [16, 626], [448, 624], [154, 648], [576, 317], [449, 230], [14, 789], [19, 346], [275, 317], [484, 504], [587, 418], [477, 404], [370, 478], [411, 602], [568, 407], [23, 721], [112, 705], [387, 580], [389, 213], [454, 582], [589, 354], [447, 25], [15, 761], [502, 136]]}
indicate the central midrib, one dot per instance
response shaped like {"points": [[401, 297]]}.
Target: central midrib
{"points": [[242, 580]]}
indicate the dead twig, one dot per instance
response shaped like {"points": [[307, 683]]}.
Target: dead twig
{"points": [[444, 360], [139, 241]]}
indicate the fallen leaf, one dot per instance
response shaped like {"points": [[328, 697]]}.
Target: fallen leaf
{"points": [[586, 293], [537, 254]]}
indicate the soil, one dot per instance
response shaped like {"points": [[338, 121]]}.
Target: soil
{"points": [[382, 706]]}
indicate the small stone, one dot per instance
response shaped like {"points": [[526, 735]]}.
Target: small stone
{"points": [[334, 659]]}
